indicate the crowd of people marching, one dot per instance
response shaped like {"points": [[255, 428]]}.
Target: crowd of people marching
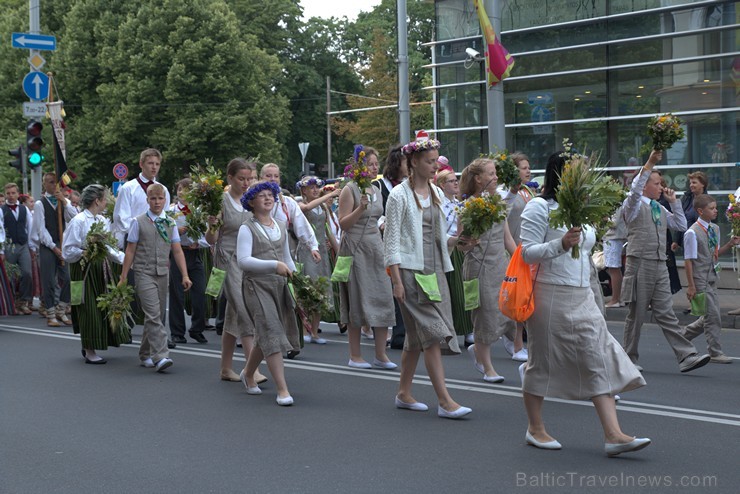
{"points": [[398, 258]]}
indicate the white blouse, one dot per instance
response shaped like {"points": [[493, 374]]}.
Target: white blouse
{"points": [[253, 265], [543, 245], [73, 245]]}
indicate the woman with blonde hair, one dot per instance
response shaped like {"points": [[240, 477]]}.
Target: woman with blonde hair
{"points": [[416, 253], [486, 262], [366, 299], [240, 174]]}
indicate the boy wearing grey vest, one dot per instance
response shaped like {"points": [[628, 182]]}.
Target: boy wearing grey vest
{"points": [[18, 225], [646, 274], [701, 254], [151, 238], [48, 227]]}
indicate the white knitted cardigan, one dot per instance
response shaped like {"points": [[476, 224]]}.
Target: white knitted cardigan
{"points": [[402, 238]]}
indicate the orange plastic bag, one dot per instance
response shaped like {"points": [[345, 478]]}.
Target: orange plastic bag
{"points": [[516, 298]]}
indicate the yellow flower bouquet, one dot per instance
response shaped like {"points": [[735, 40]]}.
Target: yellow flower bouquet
{"points": [[506, 171], [665, 130], [478, 214], [204, 199], [733, 215]]}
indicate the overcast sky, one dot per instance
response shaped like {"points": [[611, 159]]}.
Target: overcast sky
{"points": [[336, 8]]}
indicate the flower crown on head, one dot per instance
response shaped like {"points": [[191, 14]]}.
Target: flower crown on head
{"points": [[255, 189], [309, 180], [421, 143]]}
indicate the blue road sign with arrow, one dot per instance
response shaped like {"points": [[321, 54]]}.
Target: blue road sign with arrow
{"points": [[34, 41], [36, 85]]}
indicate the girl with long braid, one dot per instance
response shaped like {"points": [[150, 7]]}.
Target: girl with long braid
{"points": [[416, 253]]}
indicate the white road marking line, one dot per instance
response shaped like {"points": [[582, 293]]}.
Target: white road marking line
{"points": [[385, 375]]}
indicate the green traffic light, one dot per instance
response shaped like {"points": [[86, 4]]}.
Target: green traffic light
{"points": [[35, 159]]}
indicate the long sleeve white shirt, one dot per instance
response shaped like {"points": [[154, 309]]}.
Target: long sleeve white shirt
{"points": [[75, 235], [286, 209], [40, 235], [631, 206], [130, 203], [253, 265], [543, 245], [29, 227]]}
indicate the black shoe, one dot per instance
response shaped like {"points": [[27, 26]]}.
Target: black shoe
{"points": [[210, 327], [219, 330], [292, 354], [179, 339], [100, 361], [171, 344], [342, 328], [198, 337]]}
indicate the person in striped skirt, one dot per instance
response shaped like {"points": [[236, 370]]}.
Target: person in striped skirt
{"points": [[87, 320]]}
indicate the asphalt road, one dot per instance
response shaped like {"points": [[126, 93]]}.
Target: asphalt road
{"points": [[70, 427]]}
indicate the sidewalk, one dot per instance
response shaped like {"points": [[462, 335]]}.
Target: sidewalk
{"points": [[728, 300]]}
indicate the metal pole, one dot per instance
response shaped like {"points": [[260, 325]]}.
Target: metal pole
{"points": [[34, 27], [404, 110], [495, 95], [328, 128]]}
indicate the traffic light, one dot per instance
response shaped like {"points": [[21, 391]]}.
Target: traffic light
{"points": [[17, 161], [34, 143], [311, 168]]}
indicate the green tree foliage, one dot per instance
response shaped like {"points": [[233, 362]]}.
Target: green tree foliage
{"points": [[12, 69], [212, 79], [372, 47], [178, 75]]}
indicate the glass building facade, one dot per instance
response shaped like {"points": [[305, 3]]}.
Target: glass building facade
{"points": [[595, 71]]}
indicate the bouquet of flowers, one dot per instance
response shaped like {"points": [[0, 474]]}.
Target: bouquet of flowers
{"points": [[204, 199], [356, 170], [506, 170], [585, 196], [665, 130], [310, 294], [116, 303], [733, 215], [478, 214], [196, 222], [98, 241]]}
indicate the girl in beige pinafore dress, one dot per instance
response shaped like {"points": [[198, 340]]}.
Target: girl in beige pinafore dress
{"points": [[427, 323], [267, 295], [366, 299], [264, 256], [486, 262], [416, 243], [237, 323]]}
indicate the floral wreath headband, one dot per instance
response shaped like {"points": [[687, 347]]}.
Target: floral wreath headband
{"points": [[255, 189], [420, 145], [308, 181]]}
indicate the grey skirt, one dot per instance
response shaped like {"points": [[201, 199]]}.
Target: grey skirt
{"points": [[572, 355]]}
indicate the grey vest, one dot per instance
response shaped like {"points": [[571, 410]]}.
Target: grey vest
{"points": [[646, 239], [152, 252], [262, 247], [704, 263]]}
